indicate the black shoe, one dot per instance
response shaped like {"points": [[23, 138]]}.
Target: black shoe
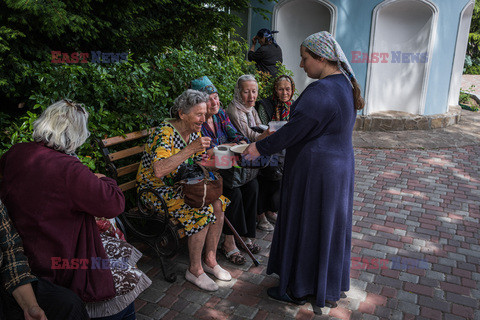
{"points": [[274, 294], [330, 304]]}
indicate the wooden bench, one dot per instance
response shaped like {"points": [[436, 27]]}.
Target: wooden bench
{"points": [[122, 155]]}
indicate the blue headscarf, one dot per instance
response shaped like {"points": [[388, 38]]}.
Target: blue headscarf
{"points": [[267, 34]]}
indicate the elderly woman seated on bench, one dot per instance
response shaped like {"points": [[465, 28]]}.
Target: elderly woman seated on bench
{"points": [[53, 200], [174, 142]]}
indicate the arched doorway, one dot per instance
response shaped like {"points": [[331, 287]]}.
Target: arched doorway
{"points": [[460, 51], [295, 20], [403, 30]]}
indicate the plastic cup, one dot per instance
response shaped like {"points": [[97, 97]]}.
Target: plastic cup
{"points": [[275, 125]]}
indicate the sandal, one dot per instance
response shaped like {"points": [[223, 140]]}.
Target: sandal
{"points": [[272, 217], [234, 256], [252, 246]]}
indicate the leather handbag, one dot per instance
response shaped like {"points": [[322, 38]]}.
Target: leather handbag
{"points": [[201, 192]]}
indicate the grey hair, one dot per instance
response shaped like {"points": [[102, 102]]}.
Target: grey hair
{"points": [[187, 100], [238, 85], [62, 126]]}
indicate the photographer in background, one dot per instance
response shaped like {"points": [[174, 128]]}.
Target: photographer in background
{"points": [[269, 53]]}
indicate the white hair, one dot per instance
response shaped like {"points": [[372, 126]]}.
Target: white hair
{"points": [[187, 100], [62, 126], [238, 86]]}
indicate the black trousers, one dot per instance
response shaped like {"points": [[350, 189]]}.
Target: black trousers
{"points": [[59, 303], [269, 195], [242, 211]]}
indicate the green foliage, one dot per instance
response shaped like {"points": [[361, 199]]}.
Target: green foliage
{"points": [[266, 81], [463, 97], [466, 99], [31, 29], [472, 59], [472, 66]]}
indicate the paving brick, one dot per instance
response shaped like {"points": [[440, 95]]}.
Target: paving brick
{"points": [[366, 308], [167, 301], [153, 311], [389, 292], [467, 266], [435, 275], [447, 262], [450, 287], [430, 313], [340, 313], [404, 276], [418, 288], [462, 311], [463, 300], [390, 282], [407, 296], [408, 307], [453, 317], [200, 297], [208, 313], [434, 303]]}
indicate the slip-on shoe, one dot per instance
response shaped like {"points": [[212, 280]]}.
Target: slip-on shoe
{"points": [[202, 281], [218, 272]]}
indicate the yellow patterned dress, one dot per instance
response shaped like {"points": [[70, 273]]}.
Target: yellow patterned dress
{"points": [[164, 142]]}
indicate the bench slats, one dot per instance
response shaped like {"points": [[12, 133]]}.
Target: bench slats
{"points": [[128, 169], [128, 137], [126, 153], [128, 185]]}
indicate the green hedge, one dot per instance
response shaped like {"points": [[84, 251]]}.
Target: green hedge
{"points": [[124, 97]]}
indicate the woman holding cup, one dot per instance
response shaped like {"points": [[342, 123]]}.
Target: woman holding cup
{"points": [[242, 210], [244, 116]]}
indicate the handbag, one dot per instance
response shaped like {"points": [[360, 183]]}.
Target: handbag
{"points": [[202, 191], [237, 177], [274, 171]]}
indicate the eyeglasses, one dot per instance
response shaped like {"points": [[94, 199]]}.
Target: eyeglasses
{"points": [[77, 106]]}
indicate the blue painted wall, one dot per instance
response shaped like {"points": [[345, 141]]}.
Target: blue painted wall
{"points": [[353, 33]]}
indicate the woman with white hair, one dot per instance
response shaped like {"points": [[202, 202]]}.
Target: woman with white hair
{"points": [[244, 116], [174, 143], [53, 200]]}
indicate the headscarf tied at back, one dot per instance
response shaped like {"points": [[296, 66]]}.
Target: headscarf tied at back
{"points": [[324, 45], [267, 34]]}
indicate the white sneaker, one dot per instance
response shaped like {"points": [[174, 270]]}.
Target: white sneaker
{"points": [[218, 272], [202, 281]]}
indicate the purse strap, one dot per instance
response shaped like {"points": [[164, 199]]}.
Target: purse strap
{"points": [[205, 171]]}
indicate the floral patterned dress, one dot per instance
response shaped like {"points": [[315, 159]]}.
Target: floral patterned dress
{"points": [[164, 142]]}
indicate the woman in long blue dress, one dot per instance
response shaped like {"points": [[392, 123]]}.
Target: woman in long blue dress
{"points": [[312, 238]]}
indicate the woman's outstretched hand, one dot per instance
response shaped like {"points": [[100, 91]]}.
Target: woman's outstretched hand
{"points": [[251, 153]]}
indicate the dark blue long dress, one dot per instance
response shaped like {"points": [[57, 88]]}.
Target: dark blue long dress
{"points": [[312, 239]]}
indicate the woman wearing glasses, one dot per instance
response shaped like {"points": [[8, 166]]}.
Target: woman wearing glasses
{"points": [[53, 199]]}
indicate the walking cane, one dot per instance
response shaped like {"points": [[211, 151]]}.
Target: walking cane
{"points": [[239, 239]]}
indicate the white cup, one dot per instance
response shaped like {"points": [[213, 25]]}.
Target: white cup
{"points": [[275, 125], [223, 157]]}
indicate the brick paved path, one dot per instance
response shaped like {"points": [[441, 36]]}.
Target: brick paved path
{"points": [[418, 209]]}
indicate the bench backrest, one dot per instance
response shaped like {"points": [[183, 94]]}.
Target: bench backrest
{"points": [[121, 160]]}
